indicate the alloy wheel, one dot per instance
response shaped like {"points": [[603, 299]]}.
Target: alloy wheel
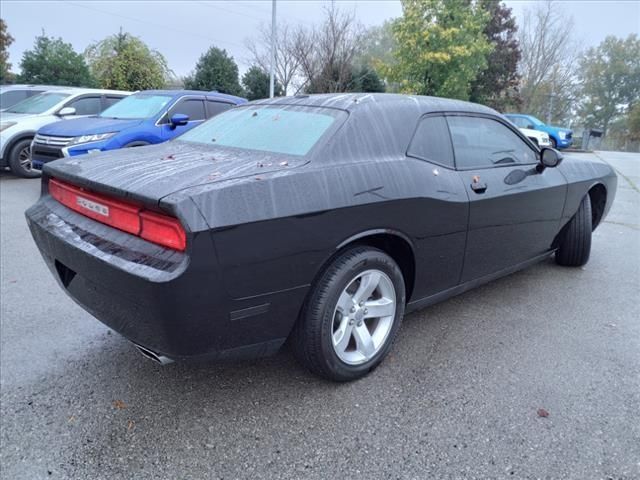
{"points": [[363, 317]]}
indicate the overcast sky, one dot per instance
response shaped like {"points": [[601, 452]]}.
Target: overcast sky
{"points": [[183, 30]]}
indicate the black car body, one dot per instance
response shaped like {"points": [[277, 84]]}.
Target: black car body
{"points": [[407, 175]]}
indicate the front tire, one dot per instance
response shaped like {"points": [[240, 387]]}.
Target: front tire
{"points": [[352, 315], [20, 160], [575, 243], [554, 144]]}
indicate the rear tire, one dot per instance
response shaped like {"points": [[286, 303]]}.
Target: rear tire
{"points": [[352, 315], [20, 160], [575, 243]]}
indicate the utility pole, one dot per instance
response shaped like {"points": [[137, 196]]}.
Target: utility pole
{"points": [[273, 49]]}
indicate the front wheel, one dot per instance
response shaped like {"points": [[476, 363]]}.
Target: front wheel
{"points": [[554, 144], [575, 243], [20, 160], [352, 315]]}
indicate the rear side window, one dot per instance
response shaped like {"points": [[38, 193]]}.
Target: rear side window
{"points": [[108, 100], [87, 105], [214, 108], [289, 130], [192, 107], [432, 142], [482, 142]]}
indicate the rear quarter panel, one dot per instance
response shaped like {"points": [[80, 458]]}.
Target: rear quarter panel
{"points": [[275, 233]]}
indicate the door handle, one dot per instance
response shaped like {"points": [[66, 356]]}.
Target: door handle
{"points": [[478, 186]]}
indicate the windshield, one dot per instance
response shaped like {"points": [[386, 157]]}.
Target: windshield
{"points": [[38, 103], [140, 105], [279, 129]]}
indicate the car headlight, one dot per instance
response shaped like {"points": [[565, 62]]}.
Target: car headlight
{"points": [[90, 138], [562, 135], [5, 125]]}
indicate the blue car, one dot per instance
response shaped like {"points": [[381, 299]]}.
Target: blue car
{"points": [[560, 137], [144, 118]]}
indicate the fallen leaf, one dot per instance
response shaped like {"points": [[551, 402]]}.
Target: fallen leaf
{"points": [[130, 424], [72, 418], [119, 404], [543, 413]]}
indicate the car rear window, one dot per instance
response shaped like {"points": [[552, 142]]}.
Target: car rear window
{"points": [[285, 129]]}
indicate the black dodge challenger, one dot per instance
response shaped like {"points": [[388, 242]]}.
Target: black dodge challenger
{"points": [[319, 219]]}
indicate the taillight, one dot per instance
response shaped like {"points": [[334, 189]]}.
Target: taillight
{"points": [[164, 230], [130, 218]]}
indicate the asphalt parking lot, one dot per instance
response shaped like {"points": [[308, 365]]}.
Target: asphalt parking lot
{"points": [[459, 397]]}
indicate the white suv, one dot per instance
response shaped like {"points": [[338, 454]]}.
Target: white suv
{"points": [[19, 123]]}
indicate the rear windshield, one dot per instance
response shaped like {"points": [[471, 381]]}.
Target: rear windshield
{"points": [[39, 103], [139, 105], [291, 130]]}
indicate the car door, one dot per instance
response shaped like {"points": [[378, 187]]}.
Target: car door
{"points": [[440, 216], [514, 210], [193, 107], [86, 105], [215, 107]]}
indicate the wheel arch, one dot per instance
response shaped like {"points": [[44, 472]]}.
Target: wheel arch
{"points": [[394, 243], [12, 142], [598, 197]]}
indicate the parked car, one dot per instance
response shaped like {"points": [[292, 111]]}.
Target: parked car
{"points": [[320, 218], [19, 123], [12, 94], [144, 118], [541, 139], [560, 137]]}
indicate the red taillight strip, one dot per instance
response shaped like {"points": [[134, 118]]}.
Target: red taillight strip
{"points": [[130, 218], [117, 214]]}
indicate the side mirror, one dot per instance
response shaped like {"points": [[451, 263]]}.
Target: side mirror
{"points": [[549, 158], [178, 119], [66, 111]]}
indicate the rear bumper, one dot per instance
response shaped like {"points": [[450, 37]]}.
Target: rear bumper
{"points": [[160, 299]]}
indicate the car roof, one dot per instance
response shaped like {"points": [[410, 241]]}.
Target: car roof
{"points": [[354, 101], [180, 93], [29, 87], [81, 91]]}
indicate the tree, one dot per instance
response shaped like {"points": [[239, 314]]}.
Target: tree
{"points": [[610, 75], [215, 70], [256, 84], [441, 47], [124, 62], [497, 85], [54, 62], [548, 63], [5, 42], [286, 63], [366, 79], [326, 54]]}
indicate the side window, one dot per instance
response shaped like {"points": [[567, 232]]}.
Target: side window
{"points": [[86, 105], [482, 142], [214, 107], [110, 100], [432, 142], [520, 122], [190, 106]]}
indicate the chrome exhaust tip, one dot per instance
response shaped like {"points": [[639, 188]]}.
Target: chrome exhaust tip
{"points": [[151, 355]]}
